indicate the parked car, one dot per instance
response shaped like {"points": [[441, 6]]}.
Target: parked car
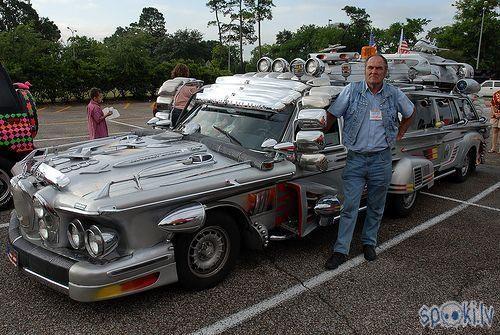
{"points": [[488, 88], [250, 163], [18, 127]]}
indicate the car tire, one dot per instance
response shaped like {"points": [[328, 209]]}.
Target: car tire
{"points": [[205, 257], [401, 205], [468, 166], [5, 176]]}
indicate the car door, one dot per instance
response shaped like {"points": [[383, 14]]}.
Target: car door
{"points": [[423, 138], [452, 131]]}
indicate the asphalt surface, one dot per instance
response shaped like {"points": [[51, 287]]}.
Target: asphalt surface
{"points": [[456, 258]]}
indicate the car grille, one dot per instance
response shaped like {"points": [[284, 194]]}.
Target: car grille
{"points": [[417, 173]]}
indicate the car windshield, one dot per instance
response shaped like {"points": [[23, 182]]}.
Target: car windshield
{"points": [[245, 127]]}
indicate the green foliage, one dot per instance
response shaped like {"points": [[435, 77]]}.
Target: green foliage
{"points": [[152, 22], [462, 37], [14, 13]]}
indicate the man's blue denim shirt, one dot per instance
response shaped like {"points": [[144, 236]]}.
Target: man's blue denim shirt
{"points": [[362, 134]]}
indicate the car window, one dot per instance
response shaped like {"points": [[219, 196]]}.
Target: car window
{"points": [[447, 111], [487, 84], [424, 115], [249, 127], [466, 109], [497, 83]]}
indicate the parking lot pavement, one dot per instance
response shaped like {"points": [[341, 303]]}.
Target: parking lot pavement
{"points": [[66, 124], [284, 289]]}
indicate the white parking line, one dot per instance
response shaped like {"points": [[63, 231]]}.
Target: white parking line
{"points": [[461, 201], [254, 310]]}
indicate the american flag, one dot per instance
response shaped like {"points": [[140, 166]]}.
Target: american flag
{"points": [[372, 40], [403, 45]]}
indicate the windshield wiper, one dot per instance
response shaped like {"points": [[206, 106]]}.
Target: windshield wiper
{"points": [[225, 133]]}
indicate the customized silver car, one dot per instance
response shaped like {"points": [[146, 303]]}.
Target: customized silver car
{"points": [[250, 163]]}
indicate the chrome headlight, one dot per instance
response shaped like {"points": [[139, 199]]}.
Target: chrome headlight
{"points": [[48, 229], [462, 72], [38, 207], [264, 64], [99, 242], [76, 234], [280, 65], [297, 66], [315, 67]]}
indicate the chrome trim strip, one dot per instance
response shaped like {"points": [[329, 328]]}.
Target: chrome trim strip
{"points": [[124, 270], [194, 195], [17, 238], [47, 280]]}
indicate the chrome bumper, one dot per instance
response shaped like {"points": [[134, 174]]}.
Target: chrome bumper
{"points": [[84, 281]]}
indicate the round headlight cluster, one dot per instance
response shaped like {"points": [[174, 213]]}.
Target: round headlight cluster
{"points": [[76, 234], [264, 64], [315, 67], [280, 65], [297, 66], [100, 241]]}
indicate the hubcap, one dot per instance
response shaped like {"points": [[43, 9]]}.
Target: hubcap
{"points": [[4, 186], [465, 167], [409, 199], [208, 251]]}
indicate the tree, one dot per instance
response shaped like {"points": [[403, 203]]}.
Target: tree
{"points": [[243, 29], [14, 13], [261, 10], [152, 22], [283, 36], [358, 30], [219, 7], [28, 56]]}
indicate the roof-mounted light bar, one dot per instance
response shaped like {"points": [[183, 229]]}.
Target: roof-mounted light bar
{"points": [[264, 64]]}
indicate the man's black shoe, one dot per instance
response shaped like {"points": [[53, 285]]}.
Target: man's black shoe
{"points": [[335, 260], [369, 251]]}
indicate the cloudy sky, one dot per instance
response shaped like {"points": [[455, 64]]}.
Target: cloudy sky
{"points": [[99, 19]]}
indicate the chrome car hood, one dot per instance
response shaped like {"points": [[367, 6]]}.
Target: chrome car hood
{"points": [[130, 171]]}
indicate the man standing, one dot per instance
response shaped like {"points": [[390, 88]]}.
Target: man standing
{"points": [[96, 119], [370, 110]]}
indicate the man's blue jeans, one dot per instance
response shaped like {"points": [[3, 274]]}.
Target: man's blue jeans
{"points": [[373, 170]]}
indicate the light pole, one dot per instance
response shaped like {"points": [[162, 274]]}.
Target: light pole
{"points": [[329, 22], [480, 36]]}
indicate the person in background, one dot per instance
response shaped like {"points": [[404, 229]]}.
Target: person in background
{"points": [[183, 94], [96, 119], [495, 121]]}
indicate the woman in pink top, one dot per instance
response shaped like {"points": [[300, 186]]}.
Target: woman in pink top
{"points": [[183, 94], [96, 119]]}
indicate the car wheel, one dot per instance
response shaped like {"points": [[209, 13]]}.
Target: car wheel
{"points": [[5, 175], [401, 205], [205, 257], [468, 166]]}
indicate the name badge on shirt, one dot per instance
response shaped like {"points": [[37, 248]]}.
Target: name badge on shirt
{"points": [[376, 114]]}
